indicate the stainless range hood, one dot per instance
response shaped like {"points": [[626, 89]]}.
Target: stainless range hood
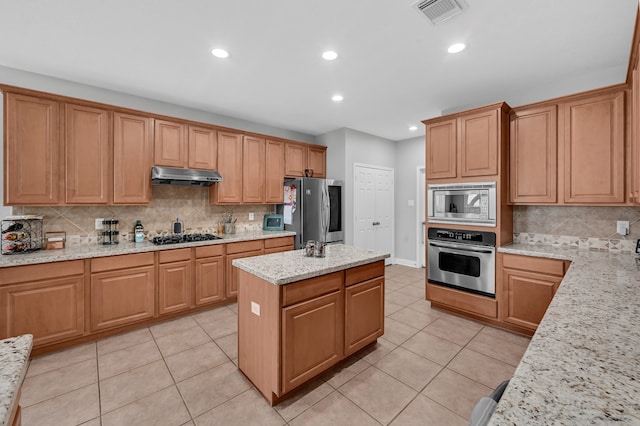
{"points": [[184, 177]]}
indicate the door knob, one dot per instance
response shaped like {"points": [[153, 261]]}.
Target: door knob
{"points": [[376, 223]]}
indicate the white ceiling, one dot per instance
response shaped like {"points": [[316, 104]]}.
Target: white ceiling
{"points": [[393, 68]]}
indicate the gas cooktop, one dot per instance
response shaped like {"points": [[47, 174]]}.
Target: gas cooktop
{"points": [[183, 238]]}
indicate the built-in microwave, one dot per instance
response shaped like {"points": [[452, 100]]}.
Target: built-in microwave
{"points": [[470, 203]]}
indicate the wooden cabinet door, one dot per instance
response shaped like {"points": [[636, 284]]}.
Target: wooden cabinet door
{"points": [[441, 150], [230, 168], [528, 296], [364, 314], [231, 287], [175, 286], [253, 170], [169, 144], [312, 338], [534, 156], [316, 162], [51, 309], [122, 297], [274, 174], [209, 280], [593, 146], [131, 159], [203, 148], [295, 159], [479, 143], [87, 155], [32, 151]]}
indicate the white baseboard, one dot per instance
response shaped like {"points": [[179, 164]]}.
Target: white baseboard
{"points": [[406, 262]]}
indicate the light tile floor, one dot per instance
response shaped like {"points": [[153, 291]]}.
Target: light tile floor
{"points": [[429, 368]]}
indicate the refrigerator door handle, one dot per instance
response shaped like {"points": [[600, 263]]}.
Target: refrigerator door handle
{"points": [[325, 213]]}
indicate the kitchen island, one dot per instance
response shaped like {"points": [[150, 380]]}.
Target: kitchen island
{"points": [[298, 315], [14, 360], [582, 365]]}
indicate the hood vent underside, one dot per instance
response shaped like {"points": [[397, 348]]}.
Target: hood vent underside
{"points": [[184, 177], [440, 10]]}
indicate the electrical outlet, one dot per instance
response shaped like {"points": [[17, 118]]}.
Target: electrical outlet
{"points": [[99, 223], [411, 203], [252, 216], [622, 227]]}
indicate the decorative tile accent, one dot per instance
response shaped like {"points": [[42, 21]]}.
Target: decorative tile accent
{"points": [[601, 244]]}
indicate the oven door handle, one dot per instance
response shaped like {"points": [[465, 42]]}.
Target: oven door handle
{"points": [[463, 247]]}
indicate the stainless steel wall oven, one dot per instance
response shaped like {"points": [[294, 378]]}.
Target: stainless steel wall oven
{"points": [[465, 260]]}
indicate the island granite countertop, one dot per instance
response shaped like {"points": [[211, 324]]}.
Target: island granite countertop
{"points": [[87, 251], [291, 266], [582, 365], [14, 359]]}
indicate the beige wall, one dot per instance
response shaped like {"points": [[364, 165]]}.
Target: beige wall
{"points": [[583, 222], [190, 204]]}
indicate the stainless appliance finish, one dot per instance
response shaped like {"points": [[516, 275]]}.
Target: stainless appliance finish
{"points": [[465, 260], [469, 203], [318, 210], [184, 177]]}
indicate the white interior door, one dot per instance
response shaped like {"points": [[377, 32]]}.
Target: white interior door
{"points": [[373, 209]]}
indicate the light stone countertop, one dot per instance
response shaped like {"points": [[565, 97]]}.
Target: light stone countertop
{"points": [[582, 365], [125, 247], [14, 359], [291, 266]]}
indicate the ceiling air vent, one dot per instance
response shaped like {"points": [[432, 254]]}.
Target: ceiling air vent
{"points": [[440, 10]]}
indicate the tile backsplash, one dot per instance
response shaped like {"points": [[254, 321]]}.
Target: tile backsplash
{"points": [[581, 227], [189, 204]]}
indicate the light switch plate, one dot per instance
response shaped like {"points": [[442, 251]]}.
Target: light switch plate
{"points": [[99, 223], [622, 227]]}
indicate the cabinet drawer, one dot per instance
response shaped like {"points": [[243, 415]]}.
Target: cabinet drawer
{"points": [[534, 264], [178, 255], [364, 273], [124, 261], [244, 246], [463, 300], [278, 242], [313, 287], [210, 251], [31, 273]]}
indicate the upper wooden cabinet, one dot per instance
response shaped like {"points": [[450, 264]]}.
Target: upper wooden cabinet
{"points": [[274, 173], [466, 145], [230, 168], [305, 160], [181, 145], [131, 159], [203, 148], [32, 151], [253, 170], [533, 156], [170, 144], [87, 166], [593, 147], [316, 161]]}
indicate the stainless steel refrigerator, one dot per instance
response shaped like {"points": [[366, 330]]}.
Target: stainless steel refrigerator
{"points": [[313, 210]]}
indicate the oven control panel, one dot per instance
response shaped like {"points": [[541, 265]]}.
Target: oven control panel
{"points": [[468, 237]]}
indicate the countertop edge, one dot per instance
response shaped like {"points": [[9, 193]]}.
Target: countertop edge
{"points": [[14, 361]]}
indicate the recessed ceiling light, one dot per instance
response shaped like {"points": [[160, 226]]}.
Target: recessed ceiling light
{"points": [[455, 48], [337, 98], [413, 128], [329, 55], [220, 53]]}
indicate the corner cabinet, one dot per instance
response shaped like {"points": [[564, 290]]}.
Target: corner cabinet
{"points": [[131, 159], [466, 145], [33, 151], [529, 284]]}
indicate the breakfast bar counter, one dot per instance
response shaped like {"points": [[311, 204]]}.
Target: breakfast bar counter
{"points": [[14, 359], [583, 363], [298, 315]]}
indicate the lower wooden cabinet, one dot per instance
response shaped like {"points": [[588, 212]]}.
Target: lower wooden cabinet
{"points": [[175, 282], [122, 290], [209, 282], [44, 300], [529, 284], [239, 251], [363, 314], [277, 245]]}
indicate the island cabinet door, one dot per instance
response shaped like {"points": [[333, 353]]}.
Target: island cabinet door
{"points": [[364, 314], [312, 338]]}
